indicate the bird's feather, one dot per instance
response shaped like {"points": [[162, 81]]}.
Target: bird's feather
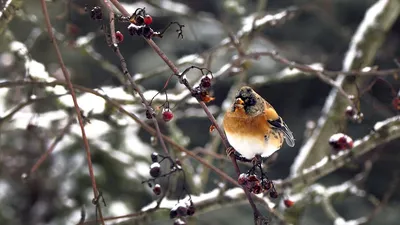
{"points": [[281, 126]]}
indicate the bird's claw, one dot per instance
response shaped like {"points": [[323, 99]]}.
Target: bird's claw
{"points": [[230, 151]]}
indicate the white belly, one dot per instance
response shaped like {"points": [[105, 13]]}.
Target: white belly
{"points": [[248, 147]]}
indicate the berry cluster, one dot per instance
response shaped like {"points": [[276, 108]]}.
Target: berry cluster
{"points": [[167, 114], [201, 91], [155, 171], [139, 25], [340, 142], [257, 185], [182, 210]]}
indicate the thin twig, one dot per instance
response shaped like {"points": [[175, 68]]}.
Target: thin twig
{"points": [[128, 76], [115, 104], [76, 106], [52, 146]]}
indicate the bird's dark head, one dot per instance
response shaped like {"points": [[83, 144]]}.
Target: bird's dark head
{"points": [[249, 100]]}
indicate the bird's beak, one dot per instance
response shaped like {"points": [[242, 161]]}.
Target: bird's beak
{"points": [[239, 103]]}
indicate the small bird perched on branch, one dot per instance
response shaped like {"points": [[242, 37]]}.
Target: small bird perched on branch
{"points": [[253, 127]]}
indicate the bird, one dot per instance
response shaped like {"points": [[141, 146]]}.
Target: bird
{"points": [[253, 127]]}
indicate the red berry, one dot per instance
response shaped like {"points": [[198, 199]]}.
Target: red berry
{"points": [[155, 169], [119, 36], [167, 115], [256, 188], [242, 180], [157, 189], [288, 203], [148, 20], [340, 142], [253, 178]]}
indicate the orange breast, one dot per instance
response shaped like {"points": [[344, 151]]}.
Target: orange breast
{"points": [[238, 122]]}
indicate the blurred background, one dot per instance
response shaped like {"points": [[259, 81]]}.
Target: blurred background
{"points": [[313, 32]]}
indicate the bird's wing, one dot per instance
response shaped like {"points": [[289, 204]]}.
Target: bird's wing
{"points": [[281, 126], [277, 123]]}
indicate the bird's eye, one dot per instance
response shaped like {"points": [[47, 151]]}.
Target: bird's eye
{"points": [[250, 101]]}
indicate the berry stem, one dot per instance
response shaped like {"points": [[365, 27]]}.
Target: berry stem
{"points": [[129, 77]]}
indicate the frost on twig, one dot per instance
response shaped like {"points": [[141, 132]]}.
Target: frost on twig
{"points": [[364, 45], [383, 132]]}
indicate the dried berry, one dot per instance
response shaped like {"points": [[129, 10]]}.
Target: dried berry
{"points": [[96, 13], [182, 211], [148, 20], [133, 30], [273, 194], [147, 32], [205, 97], [191, 210], [266, 184], [288, 203], [138, 20], [119, 36], [154, 157], [148, 115], [167, 115], [205, 82], [173, 213], [155, 169], [212, 128], [157, 189]]}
